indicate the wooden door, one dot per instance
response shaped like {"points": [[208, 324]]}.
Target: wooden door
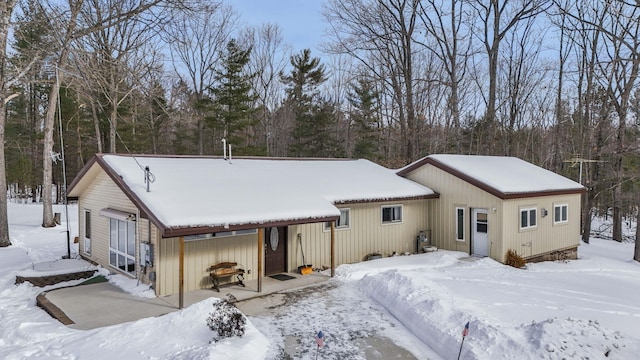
{"points": [[275, 250]]}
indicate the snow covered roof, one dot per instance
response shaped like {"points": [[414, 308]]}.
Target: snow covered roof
{"points": [[205, 193], [502, 176]]}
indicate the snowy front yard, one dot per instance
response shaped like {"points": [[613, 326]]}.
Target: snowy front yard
{"points": [[587, 308]]}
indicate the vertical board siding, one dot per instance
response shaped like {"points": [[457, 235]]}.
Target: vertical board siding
{"points": [[199, 255], [504, 222], [455, 192], [104, 193], [366, 234], [546, 236]]}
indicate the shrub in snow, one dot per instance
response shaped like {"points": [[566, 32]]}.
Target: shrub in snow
{"points": [[226, 320], [515, 260]]}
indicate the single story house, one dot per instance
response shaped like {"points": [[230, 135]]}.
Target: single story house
{"points": [[166, 219], [491, 204], [144, 216]]}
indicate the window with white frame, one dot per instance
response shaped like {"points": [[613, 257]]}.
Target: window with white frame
{"points": [[459, 224], [122, 245], [528, 218], [343, 221], [87, 232], [391, 214], [560, 213]]}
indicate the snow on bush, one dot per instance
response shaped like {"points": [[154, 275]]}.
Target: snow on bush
{"points": [[226, 320]]}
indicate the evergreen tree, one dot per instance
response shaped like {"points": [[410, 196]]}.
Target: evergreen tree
{"points": [[313, 116], [233, 98], [364, 120]]}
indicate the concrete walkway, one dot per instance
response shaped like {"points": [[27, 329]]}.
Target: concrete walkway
{"points": [[102, 304]]}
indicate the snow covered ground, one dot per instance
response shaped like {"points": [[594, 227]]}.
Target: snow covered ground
{"points": [[587, 308]]}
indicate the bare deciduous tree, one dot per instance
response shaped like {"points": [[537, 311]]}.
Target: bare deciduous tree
{"points": [[6, 10], [495, 19], [269, 57], [196, 40], [66, 19], [522, 76], [449, 39], [113, 56], [383, 31]]}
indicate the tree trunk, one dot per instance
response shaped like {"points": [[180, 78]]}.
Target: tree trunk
{"points": [[47, 163], [617, 219], [636, 252], [96, 125], [4, 224], [113, 122], [47, 211], [200, 136], [6, 9], [586, 218]]}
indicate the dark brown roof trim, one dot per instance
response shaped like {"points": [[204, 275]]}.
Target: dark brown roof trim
{"points": [[185, 231], [144, 210], [81, 174], [420, 197], [165, 156], [168, 232], [415, 165], [491, 190], [97, 158], [509, 196]]}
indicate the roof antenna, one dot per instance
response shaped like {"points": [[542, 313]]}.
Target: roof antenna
{"points": [[224, 148]]}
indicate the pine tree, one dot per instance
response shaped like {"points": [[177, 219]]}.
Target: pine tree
{"points": [[233, 98], [32, 34], [364, 119], [313, 116]]}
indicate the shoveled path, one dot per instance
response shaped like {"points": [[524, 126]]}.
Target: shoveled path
{"points": [[354, 327]]}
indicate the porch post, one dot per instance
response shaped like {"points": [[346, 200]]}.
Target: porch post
{"points": [[333, 248], [260, 252], [181, 275]]}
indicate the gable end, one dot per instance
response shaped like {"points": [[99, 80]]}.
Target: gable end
{"points": [[479, 184]]}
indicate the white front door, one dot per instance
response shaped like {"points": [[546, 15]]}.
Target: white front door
{"points": [[480, 233]]}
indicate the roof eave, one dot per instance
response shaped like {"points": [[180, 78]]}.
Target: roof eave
{"points": [[396, 198], [509, 196], [178, 231], [117, 179]]}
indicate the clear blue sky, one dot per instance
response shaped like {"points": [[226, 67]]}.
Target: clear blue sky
{"points": [[301, 21]]}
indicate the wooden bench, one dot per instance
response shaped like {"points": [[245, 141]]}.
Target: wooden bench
{"points": [[225, 270]]}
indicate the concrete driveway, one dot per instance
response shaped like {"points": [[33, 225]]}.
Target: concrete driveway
{"points": [[101, 304]]}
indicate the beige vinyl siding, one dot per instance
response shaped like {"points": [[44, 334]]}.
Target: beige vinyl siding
{"points": [[546, 236], [366, 234], [103, 193], [199, 255], [142, 236], [503, 217], [455, 192]]}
